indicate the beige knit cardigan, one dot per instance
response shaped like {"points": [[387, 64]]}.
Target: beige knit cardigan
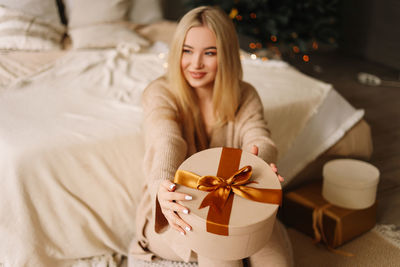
{"points": [[168, 143]]}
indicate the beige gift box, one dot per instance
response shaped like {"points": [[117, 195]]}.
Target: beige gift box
{"points": [[350, 183], [250, 222]]}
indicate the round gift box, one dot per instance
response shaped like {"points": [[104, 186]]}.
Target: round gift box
{"points": [[350, 183], [250, 222]]}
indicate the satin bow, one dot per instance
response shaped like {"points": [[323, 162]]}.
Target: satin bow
{"points": [[219, 189]]}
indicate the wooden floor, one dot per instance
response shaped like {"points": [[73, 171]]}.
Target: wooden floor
{"points": [[382, 112]]}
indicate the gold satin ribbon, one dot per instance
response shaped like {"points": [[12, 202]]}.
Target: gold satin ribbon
{"points": [[317, 215], [220, 188]]}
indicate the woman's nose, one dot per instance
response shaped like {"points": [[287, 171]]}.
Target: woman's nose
{"points": [[197, 61]]}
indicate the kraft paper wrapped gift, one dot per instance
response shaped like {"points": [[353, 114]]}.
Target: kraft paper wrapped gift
{"points": [[306, 210], [242, 225]]}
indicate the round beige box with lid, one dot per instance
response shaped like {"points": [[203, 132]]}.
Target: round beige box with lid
{"points": [[350, 183], [250, 222]]}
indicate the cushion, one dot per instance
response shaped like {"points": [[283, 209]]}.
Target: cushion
{"points": [[87, 12], [106, 35], [44, 9], [145, 11], [100, 27], [20, 30]]}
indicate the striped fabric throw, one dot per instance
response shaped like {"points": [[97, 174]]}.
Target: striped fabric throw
{"points": [[20, 31]]}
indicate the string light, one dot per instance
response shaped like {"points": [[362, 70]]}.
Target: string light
{"points": [[251, 21], [276, 50], [161, 55], [253, 56], [315, 45], [165, 65], [233, 13]]}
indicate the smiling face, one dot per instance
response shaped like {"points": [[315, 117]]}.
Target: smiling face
{"points": [[199, 62]]}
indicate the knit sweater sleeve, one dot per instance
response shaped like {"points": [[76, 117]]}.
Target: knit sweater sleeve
{"points": [[252, 126], [165, 147]]}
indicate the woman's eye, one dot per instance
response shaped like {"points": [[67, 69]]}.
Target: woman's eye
{"points": [[186, 51], [211, 53]]}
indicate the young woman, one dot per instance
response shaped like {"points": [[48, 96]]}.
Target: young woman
{"points": [[202, 102]]}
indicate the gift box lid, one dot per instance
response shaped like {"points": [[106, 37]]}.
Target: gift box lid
{"points": [[246, 215], [350, 183], [351, 173]]}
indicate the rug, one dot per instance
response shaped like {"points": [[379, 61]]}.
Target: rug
{"points": [[378, 247]]}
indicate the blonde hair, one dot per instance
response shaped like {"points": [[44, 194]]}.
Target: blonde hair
{"points": [[226, 91]]}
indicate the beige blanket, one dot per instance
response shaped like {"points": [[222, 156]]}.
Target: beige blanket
{"points": [[19, 64]]}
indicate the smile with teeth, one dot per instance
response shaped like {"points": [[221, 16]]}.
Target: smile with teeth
{"points": [[197, 75]]}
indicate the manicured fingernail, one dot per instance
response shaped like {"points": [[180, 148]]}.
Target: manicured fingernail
{"points": [[172, 186], [188, 197], [186, 211], [187, 228], [182, 233]]}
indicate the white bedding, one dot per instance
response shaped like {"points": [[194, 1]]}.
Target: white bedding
{"points": [[334, 118], [71, 147]]}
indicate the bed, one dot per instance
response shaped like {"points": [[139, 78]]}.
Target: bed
{"points": [[71, 143]]}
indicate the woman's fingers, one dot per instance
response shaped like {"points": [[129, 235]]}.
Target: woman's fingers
{"points": [[254, 150], [275, 169], [173, 206], [171, 210], [168, 185], [170, 196], [177, 223]]}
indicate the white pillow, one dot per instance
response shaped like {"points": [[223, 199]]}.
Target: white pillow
{"points": [[22, 31], [145, 11], [107, 35], [88, 12], [43, 9], [97, 24]]}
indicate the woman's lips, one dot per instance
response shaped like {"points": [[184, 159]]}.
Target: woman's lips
{"points": [[197, 75]]}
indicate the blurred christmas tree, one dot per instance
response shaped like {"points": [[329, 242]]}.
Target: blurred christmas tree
{"points": [[296, 26]]}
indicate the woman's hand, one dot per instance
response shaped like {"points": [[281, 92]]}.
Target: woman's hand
{"points": [[254, 150], [167, 199]]}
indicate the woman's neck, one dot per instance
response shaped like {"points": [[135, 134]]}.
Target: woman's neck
{"points": [[204, 94], [206, 108]]}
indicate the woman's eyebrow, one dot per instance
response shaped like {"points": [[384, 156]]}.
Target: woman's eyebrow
{"points": [[207, 48]]}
